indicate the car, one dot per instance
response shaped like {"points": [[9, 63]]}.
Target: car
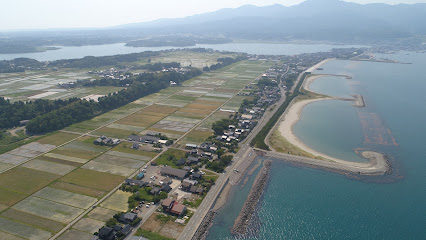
{"points": [[147, 206], [152, 203]]}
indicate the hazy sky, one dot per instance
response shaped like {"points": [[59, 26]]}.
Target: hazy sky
{"points": [[41, 14]]}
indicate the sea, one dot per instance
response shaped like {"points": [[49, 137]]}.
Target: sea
{"points": [[66, 52], [308, 203]]}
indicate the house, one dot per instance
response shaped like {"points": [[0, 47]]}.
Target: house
{"points": [[166, 188], [106, 233], [150, 139], [167, 204], [181, 162], [196, 175], [186, 186], [166, 181], [192, 160], [134, 138], [246, 116], [155, 191], [178, 209], [187, 168], [135, 146], [174, 173], [133, 182], [196, 190], [126, 229], [128, 217], [191, 146]]}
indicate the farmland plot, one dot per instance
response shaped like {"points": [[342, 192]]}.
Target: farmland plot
{"points": [[65, 197], [48, 209], [23, 230], [50, 167]]}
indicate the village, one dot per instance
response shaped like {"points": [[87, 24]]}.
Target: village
{"points": [[173, 186]]}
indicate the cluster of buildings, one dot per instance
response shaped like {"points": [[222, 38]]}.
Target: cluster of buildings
{"points": [[172, 207], [149, 138], [112, 73], [106, 141], [189, 179], [119, 231], [204, 150]]}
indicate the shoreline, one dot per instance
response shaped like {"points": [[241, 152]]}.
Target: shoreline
{"points": [[376, 161]]}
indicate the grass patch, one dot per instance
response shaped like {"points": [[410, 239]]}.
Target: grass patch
{"points": [[170, 157], [50, 167], [93, 179], [150, 235], [102, 214], [78, 189], [113, 132], [9, 198], [73, 153], [58, 138], [22, 230], [117, 201], [33, 220], [48, 209], [124, 147], [65, 197], [25, 180], [197, 136], [142, 119], [88, 225], [74, 234]]}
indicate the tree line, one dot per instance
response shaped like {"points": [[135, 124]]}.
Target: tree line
{"points": [[12, 113], [223, 62]]}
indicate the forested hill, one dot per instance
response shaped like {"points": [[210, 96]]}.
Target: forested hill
{"points": [[331, 20]]}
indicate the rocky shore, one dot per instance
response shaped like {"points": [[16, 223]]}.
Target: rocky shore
{"points": [[246, 214], [205, 226]]}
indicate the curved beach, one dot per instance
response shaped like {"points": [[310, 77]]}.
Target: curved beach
{"points": [[377, 162]]}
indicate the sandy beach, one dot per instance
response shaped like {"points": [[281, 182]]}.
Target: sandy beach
{"points": [[376, 161]]}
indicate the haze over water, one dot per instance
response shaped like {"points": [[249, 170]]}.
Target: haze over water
{"points": [[305, 203]]}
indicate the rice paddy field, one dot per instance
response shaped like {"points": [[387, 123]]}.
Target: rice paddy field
{"points": [[36, 85], [54, 180]]}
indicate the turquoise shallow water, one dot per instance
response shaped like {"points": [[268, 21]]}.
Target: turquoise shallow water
{"points": [[304, 203]]}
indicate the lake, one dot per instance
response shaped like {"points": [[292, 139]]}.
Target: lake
{"points": [[120, 48]]}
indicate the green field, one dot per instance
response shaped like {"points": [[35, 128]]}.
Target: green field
{"points": [[48, 209], [108, 168], [78, 189], [25, 180], [74, 234], [58, 138], [93, 179], [88, 225], [102, 214], [164, 158], [65, 197], [50, 167], [33, 220], [22, 230], [8, 198], [117, 201]]}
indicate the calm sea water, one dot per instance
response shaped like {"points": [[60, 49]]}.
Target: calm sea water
{"points": [[304, 203], [120, 48]]}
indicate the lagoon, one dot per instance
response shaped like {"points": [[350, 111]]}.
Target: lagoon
{"points": [[306, 203]]}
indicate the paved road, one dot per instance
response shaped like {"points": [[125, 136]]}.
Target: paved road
{"points": [[240, 156]]}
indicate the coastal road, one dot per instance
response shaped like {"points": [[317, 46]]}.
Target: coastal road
{"points": [[245, 152]]}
